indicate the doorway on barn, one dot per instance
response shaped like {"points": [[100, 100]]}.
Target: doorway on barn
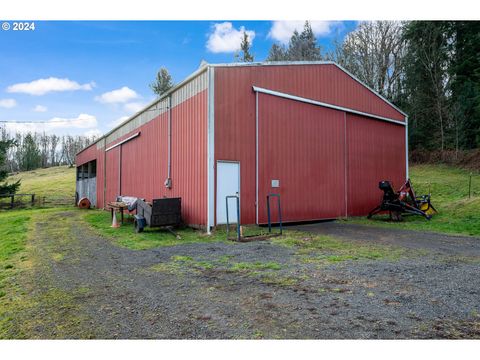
{"points": [[228, 184]]}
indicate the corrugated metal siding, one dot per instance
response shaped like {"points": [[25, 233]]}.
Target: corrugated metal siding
{"points": [[325, 83], [145, 159], [376, 151], [112, 172], [100, 177], [189, 157], [190, 89], [303, 147], [88, 154]]}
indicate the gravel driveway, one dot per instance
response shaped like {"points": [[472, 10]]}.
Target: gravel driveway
{"points": [[205, 291]]}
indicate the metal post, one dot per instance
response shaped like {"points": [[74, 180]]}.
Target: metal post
{"points": [[238, 214], [33, 199], [279, 212], [12, 201], [470, 186]]}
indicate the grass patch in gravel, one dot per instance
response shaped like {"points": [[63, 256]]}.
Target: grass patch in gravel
{"points": [[181, 263], [328, 249]]}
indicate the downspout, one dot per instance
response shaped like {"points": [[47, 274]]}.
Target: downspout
{"points": [[168, 181], [104, 172], [120, 171]]}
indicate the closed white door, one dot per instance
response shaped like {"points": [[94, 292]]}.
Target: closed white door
{"points": [[228, 183]]}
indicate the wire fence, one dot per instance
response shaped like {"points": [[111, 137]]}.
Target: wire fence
{"points": [[459, 186], [21, 201]]}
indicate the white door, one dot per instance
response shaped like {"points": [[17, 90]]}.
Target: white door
{"points": [[228, 183]]}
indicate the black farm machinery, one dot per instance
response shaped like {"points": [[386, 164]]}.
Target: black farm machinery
{"points": [[403, 202]]}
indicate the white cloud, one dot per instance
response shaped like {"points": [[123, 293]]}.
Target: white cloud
{"points": [[40, 108], [134, 107], [121, 95], [282, 30], [8, 103], [56, 124], [224, 38], [44, 86]]}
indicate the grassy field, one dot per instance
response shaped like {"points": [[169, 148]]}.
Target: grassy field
{"points": [[55, 183], [457, 213]]}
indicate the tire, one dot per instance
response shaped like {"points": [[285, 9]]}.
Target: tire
{"points": [[138, 227]]}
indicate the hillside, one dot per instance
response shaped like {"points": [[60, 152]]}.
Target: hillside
{"points": [[55, 183]]}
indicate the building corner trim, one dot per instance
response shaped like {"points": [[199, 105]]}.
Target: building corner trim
{"points": [[211, 150], [406, 148]]}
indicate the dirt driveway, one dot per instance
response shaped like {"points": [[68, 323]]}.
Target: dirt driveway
{"points": [[91, 288]]}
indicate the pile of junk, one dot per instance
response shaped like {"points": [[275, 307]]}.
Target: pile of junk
{"points": [[164, 212], [403, 202]]}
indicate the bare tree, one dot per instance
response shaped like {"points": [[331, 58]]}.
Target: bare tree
{"points": [[374, 53], [53, 149]]}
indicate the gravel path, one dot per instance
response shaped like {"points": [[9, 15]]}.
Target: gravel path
{"points": [[192, 292]]}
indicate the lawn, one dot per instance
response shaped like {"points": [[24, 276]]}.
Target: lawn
{"points": [[457, 213], [55, 183], [125, 236]]}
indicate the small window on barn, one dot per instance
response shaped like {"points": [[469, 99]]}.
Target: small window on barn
{"points": [[87, 171], [93, 169]]}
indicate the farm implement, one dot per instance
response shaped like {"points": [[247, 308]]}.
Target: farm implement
{"points": [[403, 202]]}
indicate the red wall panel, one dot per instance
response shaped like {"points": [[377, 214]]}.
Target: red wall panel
{"points": [[303, 147], [145, 160], [86, 155], [376, 151]]}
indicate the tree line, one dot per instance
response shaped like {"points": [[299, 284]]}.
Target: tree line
{"points": [[29, 151]]}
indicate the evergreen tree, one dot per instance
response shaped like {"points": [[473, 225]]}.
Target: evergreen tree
{"points": [[30, 154], [277, 53], [6, 188], [426, 83], [301, 47], [465, 73], [245, 55], [163, 82]]}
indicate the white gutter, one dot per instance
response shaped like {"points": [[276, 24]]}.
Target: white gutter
{"points": [[330, 106], [256, 157], [168, 181], [123, 141]]}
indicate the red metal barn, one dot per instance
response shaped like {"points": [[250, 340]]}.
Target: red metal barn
{"points": [[309, 131]]}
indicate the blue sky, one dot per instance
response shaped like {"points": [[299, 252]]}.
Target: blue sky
{"points": [[89, 75]]}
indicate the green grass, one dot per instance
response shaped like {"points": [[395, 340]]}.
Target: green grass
{"points": [[328, 249], [457, 214], [13, 235], [125, 236], [55, 183]]}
